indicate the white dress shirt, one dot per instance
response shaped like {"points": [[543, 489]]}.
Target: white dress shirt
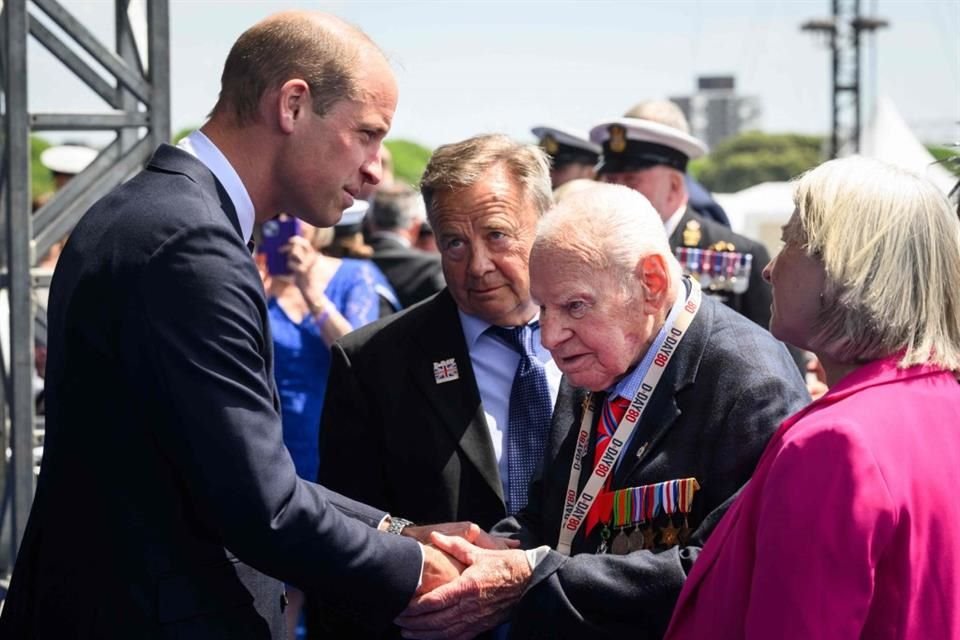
{"points": [[671, 223], [200, 147]]}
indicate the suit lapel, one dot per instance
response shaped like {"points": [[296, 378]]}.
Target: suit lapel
{"points": [[456, 402]]}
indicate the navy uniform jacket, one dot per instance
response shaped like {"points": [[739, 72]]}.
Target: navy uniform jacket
{"points": [[727, 388], [166, 497], [702, 233]]}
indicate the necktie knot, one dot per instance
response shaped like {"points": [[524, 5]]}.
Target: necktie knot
{"points": [[620, 403], [520, 338]]}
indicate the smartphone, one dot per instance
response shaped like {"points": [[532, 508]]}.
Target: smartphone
{"points": [[276, 234]]}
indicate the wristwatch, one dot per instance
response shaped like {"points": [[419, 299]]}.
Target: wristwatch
{"points": [[397, 525]]}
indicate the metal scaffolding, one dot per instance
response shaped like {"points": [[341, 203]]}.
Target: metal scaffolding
{"points": [[137, 110], [843, 32]]}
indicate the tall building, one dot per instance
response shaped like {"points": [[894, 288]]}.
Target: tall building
{"points": [[716, 112]]}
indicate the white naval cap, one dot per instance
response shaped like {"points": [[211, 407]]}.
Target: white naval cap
{"points": [[70, 159], [353, 215], [566, 145], [631, 144]]}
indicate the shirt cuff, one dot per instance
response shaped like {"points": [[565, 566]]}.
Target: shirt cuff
{"points": [[423, 559], [536, 556]]}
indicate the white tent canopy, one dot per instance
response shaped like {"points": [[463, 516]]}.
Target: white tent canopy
{"points": [[887, 137], [760, 210]]}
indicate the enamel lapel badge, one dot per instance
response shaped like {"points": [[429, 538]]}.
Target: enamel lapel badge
{"points": [[445, 371]]}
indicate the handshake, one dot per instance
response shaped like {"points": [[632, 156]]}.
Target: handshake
{"points": [[471, 581]]}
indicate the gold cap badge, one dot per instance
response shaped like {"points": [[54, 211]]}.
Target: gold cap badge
{"points": [[618, 138], [691, 234], [549, 144]]}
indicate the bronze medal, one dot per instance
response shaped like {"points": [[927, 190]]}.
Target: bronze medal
{"points": [[621, 544], [635, 539], [669, 535], [685, 532], [649, 537]]}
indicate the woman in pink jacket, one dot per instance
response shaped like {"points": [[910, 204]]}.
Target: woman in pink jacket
{"points": [[850, 526]]}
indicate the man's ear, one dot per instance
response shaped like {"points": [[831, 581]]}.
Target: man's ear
{"points": [[292, 100], [678, 189], [651, 271]]}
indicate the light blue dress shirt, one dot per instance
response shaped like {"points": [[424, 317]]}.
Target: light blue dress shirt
{"points": [[494, 363]]}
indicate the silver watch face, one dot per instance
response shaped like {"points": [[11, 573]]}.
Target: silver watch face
{"points": [[397, 525]]}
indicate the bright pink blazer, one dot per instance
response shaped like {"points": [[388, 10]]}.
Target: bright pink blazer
{"points": [[850, 527]]}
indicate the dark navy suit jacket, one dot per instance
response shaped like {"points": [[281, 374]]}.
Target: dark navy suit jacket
{"points": [[166, 497]]}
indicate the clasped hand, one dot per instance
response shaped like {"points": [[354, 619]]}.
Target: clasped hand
{"points": [[493, 578]]}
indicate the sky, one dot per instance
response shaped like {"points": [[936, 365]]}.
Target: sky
{"points": [[467, 67]]}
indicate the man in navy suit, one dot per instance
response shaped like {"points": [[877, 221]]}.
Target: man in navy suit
{"points": [[167, 505], [615, 517]]}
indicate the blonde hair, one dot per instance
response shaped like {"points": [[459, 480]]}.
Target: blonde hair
{"points": [[890, 246], [461, 165], [606, 227]]}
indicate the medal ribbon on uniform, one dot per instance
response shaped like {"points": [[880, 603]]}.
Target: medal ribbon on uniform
{"points": [[637, 505]]}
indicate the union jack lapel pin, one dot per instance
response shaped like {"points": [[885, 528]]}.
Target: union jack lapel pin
{"points": [[445, 371]]}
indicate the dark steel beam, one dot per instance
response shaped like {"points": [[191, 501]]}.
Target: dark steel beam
{"points": [[110, 60], [75, 63], [90, 121], [17, 194]]}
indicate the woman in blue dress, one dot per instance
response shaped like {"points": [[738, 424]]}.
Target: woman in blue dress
{"points": [[323, 299]]}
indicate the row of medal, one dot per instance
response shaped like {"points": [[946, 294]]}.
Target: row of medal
{"points": [[717, 270], [638, 506]]}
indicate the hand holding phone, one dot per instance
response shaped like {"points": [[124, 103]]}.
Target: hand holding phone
{"points": [[276, 235]]}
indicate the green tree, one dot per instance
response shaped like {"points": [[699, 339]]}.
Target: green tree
{"points": [[949, 157], [409, 160], [41, 179], [754, 157], [183, 133]]}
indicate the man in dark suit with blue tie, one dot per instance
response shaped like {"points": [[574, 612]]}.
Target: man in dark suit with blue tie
{"points": [[451, 399], [167, 505]]}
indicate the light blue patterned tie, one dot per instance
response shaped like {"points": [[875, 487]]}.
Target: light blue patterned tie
{"points": [[528, 426]]}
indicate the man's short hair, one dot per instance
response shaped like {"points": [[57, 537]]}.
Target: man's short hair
{"points": [[396, 206], [662, 111], [321, 52], [890, 245], [461, 164]]}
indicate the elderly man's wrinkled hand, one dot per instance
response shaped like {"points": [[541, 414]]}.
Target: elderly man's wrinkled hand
{"points": [[469, 531], [439, 568], [480, 599]]}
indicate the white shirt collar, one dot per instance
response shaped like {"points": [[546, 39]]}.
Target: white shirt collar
{"points": [[202, 148], [671, 224]]}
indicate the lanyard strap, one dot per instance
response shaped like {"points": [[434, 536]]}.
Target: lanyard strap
{"points": [[576, 508]]}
